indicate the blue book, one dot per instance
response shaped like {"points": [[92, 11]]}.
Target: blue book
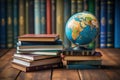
{"points": [[3, 27], [103, 24], [67, 14], [43, 17], [15, 22], [85, 66], [117, 25], [110, 24], [37, 16]]}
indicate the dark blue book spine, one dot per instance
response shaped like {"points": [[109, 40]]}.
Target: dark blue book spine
{"points": [[15, 22], [103, 25], [31, 16], [3, 25], [67, 14], [81, 67], [110, 23], [43, 17], [117, 24]]}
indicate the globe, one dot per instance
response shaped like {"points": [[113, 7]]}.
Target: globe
{"points": [[82, 28]]}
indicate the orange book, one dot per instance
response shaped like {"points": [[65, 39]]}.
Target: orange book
{"points": [[39, 37]]}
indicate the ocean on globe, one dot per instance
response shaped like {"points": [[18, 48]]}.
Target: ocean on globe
{"points": [[82, 28]]}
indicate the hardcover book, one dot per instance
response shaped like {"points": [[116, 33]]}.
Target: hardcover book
{"points": [[39, 37], [79, 5]]}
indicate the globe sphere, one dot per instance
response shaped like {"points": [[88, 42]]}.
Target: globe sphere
{"points": [[82, 28]]}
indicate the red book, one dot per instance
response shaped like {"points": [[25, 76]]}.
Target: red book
{"points": [[48, 16], [39, 37]]}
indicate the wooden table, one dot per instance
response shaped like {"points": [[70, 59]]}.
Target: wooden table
{"points": [[109, 71]]}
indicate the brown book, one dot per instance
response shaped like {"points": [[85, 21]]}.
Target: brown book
{"points": [[29, 63], [36, 68], [39, 37]]}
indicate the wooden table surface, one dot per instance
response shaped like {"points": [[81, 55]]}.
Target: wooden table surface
{"points": [[109, 71]]}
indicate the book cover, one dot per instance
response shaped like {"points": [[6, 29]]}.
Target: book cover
{"points": [[9, 25], [48, 16], [30, 63], [73, 6], [21, 17], [117, 25], [110, 24], [37, 15], [53, 16], [60, 18], [31, 17], [103, 24], [43, 17], [36, 68], [15, 21], [67, 14], [85, 4], [39, 37], [79, 5], [3, 32]]}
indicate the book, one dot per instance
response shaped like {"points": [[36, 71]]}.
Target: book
{"points": [[67, 14], [32, 56], [96, 56], [79, 5], [9, 30], [39, 37], [103, 24], [36, 68], [117, 25], [73, 6], [30, 63], [85, 4], [53, 16], [15, 21], [48, 16], [3, 33], [37, 15], [21, 17], [110, 23], [31, 17], [43, 17]]}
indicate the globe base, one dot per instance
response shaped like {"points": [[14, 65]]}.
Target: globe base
{"points": [[81, 48]]}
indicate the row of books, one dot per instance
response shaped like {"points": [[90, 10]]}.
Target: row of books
{"points": [[37, 52], [20, 17]]}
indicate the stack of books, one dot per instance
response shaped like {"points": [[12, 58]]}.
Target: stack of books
{"points": [[81, 59], [37, 52]]}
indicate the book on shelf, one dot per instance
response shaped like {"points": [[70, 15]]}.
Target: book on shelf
{"points": [[36, 68], [39, 37], [73, 6], [32, 56], [79, 5], [96, 56], [28, 63]]}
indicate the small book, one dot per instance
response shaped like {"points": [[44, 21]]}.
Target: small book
{"points": [[39, 37], [36, 68]]}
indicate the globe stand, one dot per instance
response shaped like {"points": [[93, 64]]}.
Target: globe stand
{"points": [[78, 47]]}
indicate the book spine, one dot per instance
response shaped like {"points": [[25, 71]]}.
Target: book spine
{"points": [[15, 21], [117, 24], [3, 32], [59, 18], [9, 24], [26, 16], [110, 23], [67, 14], [21, 17], [31, 16], [48, 16], [79, 5], [97, 14], [53, 14], [103, 26], [37, 15], [73, 6], [85, 4], [43, 16]]}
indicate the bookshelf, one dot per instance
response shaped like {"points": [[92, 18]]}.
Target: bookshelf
{"points": [[50, 16]]}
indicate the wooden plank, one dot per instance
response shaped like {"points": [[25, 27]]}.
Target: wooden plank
{"points": [[38, 75], [93, 75], [6, 71], [64, 74]]}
